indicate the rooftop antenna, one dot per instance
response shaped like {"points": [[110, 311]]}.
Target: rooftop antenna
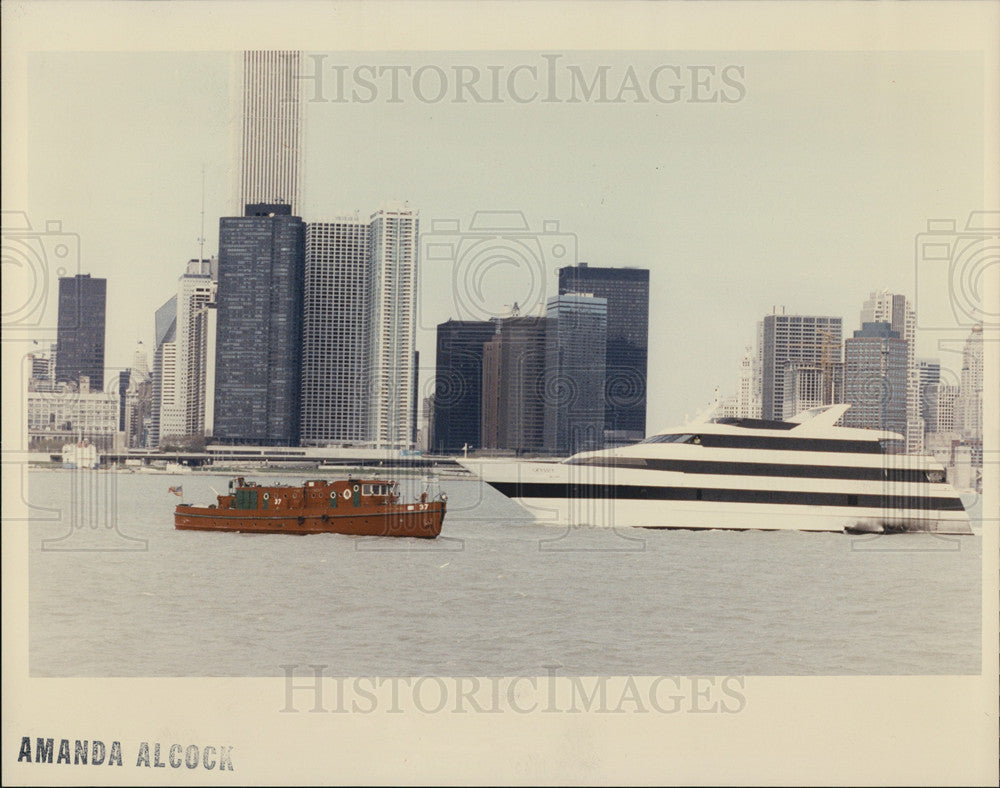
{"points": [[201, 238]]}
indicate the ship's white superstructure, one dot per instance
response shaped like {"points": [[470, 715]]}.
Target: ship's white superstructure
{"points": [[736, 473]]}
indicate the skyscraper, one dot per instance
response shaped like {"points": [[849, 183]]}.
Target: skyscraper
{"points": [[939, 402], [898, 312], [124, 383], [875, 367], [459, 384], [626, 291], [514, 385], [166, 420], [969, 406], [199, 416], [747, 400], [576, 339], [790, 339], [392, 243], [810, 385], [140, 362], [80, 330], [268, 97], [258, 359], [139, 400], [928, 373], [335, 332], [195, 291]]}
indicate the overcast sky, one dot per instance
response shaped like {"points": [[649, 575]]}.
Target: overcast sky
{"points": [[803, 184]]}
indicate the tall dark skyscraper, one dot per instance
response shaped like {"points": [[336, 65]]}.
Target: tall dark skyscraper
{"points": [[627, 293], [575, 374], [875, 378], [80, 332], [458, 389], [514, 386], [794, 339], [258, 358]]}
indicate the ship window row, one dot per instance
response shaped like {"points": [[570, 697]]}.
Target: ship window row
{"points": [[774, 443], [793, 498], [887, 474]]}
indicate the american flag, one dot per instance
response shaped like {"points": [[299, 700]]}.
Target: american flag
{"points": [[176, 490]]}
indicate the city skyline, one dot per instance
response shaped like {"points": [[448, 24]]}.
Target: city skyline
{"points": [[695, 268], [852, 126]]}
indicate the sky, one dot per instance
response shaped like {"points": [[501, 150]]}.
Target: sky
{"points": [[805, 188]]}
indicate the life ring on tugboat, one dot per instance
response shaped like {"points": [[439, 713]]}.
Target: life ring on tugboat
{"points": [[347, 495]]}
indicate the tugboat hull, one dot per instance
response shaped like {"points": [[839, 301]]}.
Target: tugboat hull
{"points": [[368, 507], [410, 520]]}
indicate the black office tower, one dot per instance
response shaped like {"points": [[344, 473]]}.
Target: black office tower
{"points": [[458, 385], [627, 293], [258, 358], [574, 373], [80, 332], [513, 409]]}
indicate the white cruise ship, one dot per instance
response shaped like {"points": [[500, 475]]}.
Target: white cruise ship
{"points": [[805, 474]]}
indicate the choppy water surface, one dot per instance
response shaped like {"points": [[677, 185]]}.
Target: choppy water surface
{"points": [[496, 595]]}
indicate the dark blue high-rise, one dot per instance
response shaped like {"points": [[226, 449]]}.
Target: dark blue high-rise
{"points": [[627, 293], [258, 360], [459, 383], [80, 331]]}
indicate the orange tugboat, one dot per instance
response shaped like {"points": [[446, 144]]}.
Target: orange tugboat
{"points": [[361, 507]]}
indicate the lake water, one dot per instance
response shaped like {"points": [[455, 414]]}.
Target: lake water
{"points": [[115, 590]]}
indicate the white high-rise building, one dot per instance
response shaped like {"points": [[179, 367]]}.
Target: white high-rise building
{"points": [[335, 335], [182, 367], [267, 96], [969, 406], [392, 243], [165, 419], [886, 307], [171, 420], [140, 363], [202, 409], [748, 390], [195, 290]]}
